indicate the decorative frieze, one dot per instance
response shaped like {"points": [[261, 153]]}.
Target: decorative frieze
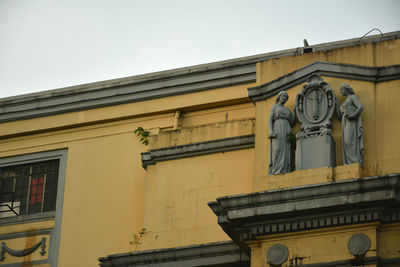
{"points": [[349, 202]]}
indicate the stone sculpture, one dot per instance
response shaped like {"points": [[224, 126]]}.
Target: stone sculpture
{"points": [[315, 105], [352, 130], [280, 125]]}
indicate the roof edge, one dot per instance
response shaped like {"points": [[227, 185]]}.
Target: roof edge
{"points": [[203, 252], [213, 66], [233, 72], [329, 69]]}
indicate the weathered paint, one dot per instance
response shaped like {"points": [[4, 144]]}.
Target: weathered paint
{"points": [[109, 197]]}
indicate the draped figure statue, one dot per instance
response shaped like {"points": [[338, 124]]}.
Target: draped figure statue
{"points": [[280, 125], [352, 130]]}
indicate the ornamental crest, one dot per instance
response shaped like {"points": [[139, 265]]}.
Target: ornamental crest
{"points": [[315, 105]]}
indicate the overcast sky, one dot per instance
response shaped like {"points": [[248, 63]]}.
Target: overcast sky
{"points": [[53, 44]]}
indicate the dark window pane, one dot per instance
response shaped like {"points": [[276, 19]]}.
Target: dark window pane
{"points": [[30, 187]]}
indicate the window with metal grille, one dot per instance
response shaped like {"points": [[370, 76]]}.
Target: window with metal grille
{"points": [[28, 188]]}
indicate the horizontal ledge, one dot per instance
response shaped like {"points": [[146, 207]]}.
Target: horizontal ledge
{"points": [[313, 193], [342, 203], [197, 149], [338, 70], [12, 109], [352, 262], [195, 255], [155, 85], [29, 218], [46, 231]]}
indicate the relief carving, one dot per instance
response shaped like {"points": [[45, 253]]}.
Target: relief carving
{"points": [[315, 105], [23, 252]]}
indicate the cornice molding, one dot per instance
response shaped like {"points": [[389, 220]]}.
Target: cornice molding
{"points": [[156, 85], [108, 93], [197, 255], [197, 149], [378, 261], [329, 69], [245, 217]]}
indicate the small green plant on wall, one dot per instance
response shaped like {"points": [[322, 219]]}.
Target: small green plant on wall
{"points": [[143, 134], [137, 238]]}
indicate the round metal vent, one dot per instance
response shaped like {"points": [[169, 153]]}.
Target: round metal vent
{"points": [[277, 254], [358, 244]]}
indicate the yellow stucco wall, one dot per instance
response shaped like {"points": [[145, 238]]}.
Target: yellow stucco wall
{"points": [[104, 181], [315, 246], [109, 197], [176, 211], [380, 111], [388, 241], [178, 191], [141, 110], [105, 199], [328, 245], [381, 155], [387, 110], [370, 54]]}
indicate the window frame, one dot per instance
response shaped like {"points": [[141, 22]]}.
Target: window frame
{"points": [[20, 193], [56, 215]]}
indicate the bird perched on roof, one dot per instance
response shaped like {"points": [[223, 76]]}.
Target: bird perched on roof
{"points": [[305, 43]]}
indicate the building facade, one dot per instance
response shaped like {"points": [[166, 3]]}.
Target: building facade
{"points": [[172, 168]]}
